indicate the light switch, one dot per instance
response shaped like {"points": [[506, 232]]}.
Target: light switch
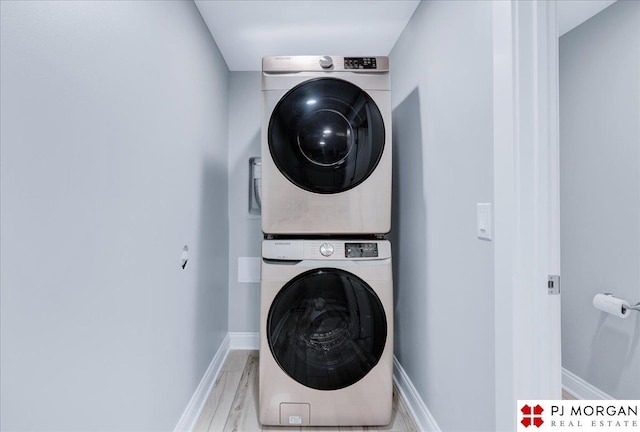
{"points": [[184, 257], [483, 221]]}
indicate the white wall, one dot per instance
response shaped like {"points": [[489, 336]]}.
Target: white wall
{"points": [[443, 165], [245, 232], [600, 196], [113, 157]]}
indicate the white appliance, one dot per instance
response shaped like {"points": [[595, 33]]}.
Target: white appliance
{"points": [[326, 333], [326, 145]]}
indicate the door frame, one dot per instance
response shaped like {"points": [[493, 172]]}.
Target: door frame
{"points": [[526, 200]]}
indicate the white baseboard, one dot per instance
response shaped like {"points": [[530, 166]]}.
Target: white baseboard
{"points": [[193, 409], [418, 410], [244, 340], [250, 340], [581, 389]]}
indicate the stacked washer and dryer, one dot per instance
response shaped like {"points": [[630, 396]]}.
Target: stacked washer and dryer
{"points": [[326, 303]]}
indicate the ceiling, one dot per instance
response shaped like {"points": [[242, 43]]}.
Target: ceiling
{"points": [[572, 13], [247, 30]]}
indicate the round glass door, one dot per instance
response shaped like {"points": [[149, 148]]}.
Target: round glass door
{"points": [[326, 135], [326, 329]]}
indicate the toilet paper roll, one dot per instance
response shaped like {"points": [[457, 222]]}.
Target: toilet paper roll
{"points": [[611, 305]]}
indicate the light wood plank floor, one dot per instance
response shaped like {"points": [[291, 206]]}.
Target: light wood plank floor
{"points": [[232, 405]]}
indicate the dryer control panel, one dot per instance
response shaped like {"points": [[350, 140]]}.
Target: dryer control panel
{"points": [[360, 63], [335, 250], [284, 64]]}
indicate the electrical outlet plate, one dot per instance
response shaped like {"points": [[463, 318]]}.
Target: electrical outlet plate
{"points": [[553, 285], [249, 269]]}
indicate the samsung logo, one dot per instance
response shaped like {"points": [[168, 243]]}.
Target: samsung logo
{"points": [[282, 58], [282, 243]]}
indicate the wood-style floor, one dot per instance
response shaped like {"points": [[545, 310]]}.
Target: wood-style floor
{"points": [[232, 405]]}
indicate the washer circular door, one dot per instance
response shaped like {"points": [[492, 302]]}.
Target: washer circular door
{"points": [[326, 135], [326, 329]]}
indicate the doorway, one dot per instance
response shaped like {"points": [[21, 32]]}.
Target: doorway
{"points": [[599, 95]]}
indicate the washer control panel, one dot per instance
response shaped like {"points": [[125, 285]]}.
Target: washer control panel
{"points": [[326, 249], [361, 250], [334, 250]]}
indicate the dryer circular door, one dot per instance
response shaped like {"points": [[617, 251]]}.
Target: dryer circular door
{"points": [[326, 329], [326, 135]]}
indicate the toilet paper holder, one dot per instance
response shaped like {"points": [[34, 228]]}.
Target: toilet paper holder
{"points": [[635, 307]]}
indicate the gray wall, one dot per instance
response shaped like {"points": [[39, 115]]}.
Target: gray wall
{"points": [[245, 232], [113, 156], [600, 196], [443, 165]]}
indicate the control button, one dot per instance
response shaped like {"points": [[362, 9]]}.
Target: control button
{"points": [[326, 62], [326, 249]]}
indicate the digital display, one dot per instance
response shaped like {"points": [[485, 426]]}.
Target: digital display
{"points": [[361, 250], [360, 63]]}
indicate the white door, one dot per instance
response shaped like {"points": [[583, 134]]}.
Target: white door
{"points": [[527, 321]]}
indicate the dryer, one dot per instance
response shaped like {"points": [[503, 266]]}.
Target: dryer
{"points": [[326, 145], [326, 333]]}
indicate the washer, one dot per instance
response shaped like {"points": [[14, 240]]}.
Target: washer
{"points": [[326, 333], [326, 145]]}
